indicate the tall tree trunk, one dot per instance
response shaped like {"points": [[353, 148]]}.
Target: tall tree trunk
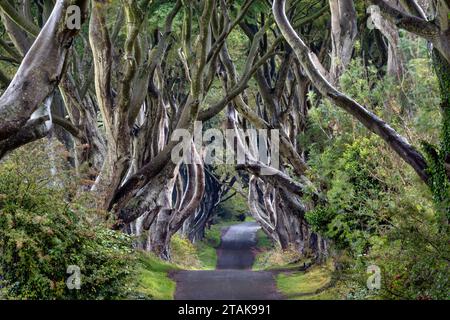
{"points": [[343, 35]]}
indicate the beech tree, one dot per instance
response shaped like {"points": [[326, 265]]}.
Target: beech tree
{"points": [[121, 89], [433, 174]]}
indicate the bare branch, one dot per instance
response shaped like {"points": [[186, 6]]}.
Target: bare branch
{"points": [[398, 143]]}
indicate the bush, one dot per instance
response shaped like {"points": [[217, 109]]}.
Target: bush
{"points": [[377, 211], [354, 198], [184, 253], [47, 226]]}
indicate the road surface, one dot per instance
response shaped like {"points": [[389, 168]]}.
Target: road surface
{"points": [[233, 278]]}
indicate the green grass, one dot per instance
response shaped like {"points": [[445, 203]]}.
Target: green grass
{"points": [[249, 219], [214, 233], [206, 249], [306, 285], [328, 294], [152, 277], [264, 262], [268, 257], [207, 256], [264, 243], [153, 281], [185, 254]]}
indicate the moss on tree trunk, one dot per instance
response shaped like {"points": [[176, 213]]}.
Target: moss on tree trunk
{"points": [[439, 157]]}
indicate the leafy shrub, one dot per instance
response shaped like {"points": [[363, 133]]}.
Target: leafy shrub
{"points": [[353, 198], [46, 226], [377, 211], [184, 253]]}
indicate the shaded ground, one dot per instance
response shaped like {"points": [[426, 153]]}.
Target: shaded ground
{"points": [[232, 280]]}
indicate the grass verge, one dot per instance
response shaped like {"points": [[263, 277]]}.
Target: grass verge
{"points": [[313, 284], [206, 249], [264, 243], [207, 256], [152, 281], [152, 277], [270, 258]]}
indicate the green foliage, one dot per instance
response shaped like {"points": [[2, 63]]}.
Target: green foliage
{"points": [[159, 10], [377, 211], [257, 8], [46, 226], [233, 209], [152, 278], [213, 234], [414, 256], [351, 212], [275, 258], [264, 242], [439, 184], [439, 157], [301, 284], [198, 256]]}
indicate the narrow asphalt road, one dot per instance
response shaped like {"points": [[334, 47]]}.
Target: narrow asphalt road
{"points": [[233, 278]]}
